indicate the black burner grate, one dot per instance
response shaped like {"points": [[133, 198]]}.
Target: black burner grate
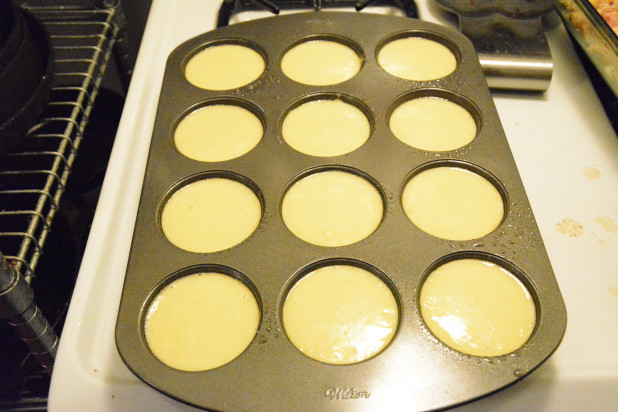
{"points": [[230, 8]]}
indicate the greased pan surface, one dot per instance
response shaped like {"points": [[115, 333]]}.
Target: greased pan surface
{"points": [[415, 371]]}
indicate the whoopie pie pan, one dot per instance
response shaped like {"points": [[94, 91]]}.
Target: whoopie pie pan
{"points": [[415, 371]]}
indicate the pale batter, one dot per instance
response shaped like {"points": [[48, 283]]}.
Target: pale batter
{"points": [[201, 321], [431, 123], [326, 128], [332, 208], [320, 63], [224, 67], [417, 58], [340, 314], [217, 133], [453, 203], [478, 308], [211, 215]]}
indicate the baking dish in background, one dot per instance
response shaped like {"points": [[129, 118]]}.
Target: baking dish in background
{"points": [[594, 35]]}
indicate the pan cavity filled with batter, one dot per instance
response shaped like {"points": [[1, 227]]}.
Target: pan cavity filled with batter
{"points": [[340, 314], [224, 67], [321, 62], [432, 123], [201, 321], [332, 208], [477, 307], [417, 58], [326, 127], [218, 132], [211, 215], [453, 203]]}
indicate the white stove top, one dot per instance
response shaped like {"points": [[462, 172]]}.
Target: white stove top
{"points": [[567, 155]]}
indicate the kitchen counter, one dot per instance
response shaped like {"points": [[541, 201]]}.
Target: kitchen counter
{"points": [[567, 155]]}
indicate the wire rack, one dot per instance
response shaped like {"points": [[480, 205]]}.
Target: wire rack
{"points": [[33, 180]]}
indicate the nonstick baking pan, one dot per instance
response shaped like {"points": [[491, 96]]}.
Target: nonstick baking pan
{"points": [[415, 371]]}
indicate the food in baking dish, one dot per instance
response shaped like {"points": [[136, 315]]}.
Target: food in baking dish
{"points": [[595, 31], [608, 9]]}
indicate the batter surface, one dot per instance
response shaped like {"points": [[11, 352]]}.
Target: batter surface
{"points": [[201, 321], [431, 123], [477, 307], [453, 203], [340, 314], [320, 63], [217, 133], [211, 215], [417, 58], [224, 67], [332, 208], [326, 128]]}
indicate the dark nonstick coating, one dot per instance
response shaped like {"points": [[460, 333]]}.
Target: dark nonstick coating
{"points": [[416, 371]]}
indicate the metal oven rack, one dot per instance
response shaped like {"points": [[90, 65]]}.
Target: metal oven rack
{"points": [[32, 180]]}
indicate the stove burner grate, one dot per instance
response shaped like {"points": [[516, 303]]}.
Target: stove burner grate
{"points": [[230, 8]]}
